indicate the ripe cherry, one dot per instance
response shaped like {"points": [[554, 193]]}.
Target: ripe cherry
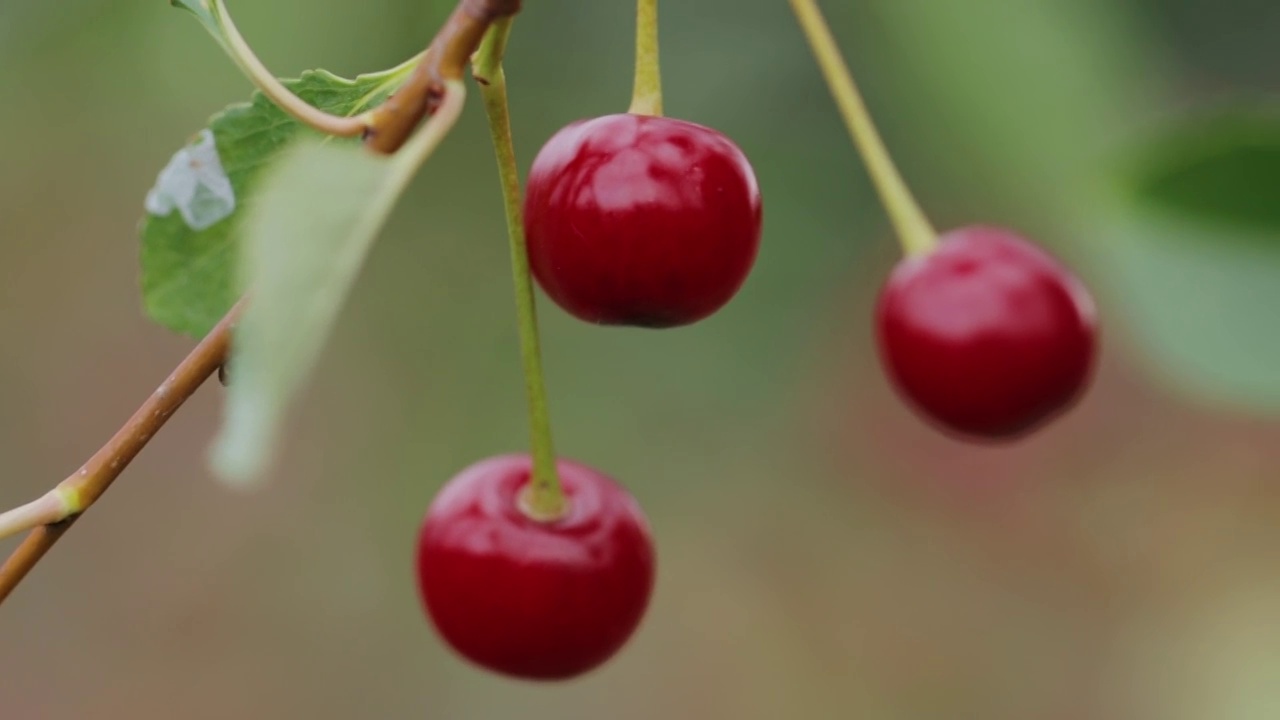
{"points": [[528, 598], [641, 220], [987, 334]]}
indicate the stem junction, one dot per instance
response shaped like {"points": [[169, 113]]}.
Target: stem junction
{"points": [[446, 60], [53, 514]]}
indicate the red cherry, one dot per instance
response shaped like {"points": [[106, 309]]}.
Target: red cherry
{"points": [[987, 335], [527, 598], [640, 220]]}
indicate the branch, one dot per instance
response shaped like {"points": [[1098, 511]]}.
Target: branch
{"points": [[386, 129], [58, 509], [391, 123]]}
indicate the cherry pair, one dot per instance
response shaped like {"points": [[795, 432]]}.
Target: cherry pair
{"points": [[630, 219], [655, 222]]}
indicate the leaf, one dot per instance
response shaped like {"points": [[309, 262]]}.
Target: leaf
{"points": [[1197, 257], [1028, 104], [1223, 169], [188, 280], [304, 240], [304, 243]]}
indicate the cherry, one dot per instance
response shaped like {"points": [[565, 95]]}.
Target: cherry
{"points": [[641, 220], [528, 598], [987, 334]]}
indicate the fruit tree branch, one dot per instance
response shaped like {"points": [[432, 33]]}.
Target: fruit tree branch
{"points": [[385, 129], [59, 508]]}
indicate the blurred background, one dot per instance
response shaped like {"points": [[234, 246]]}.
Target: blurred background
{"points": [[823, 554]]}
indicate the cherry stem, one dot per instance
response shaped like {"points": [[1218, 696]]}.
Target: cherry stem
{"points": [[52, 514], [269, 85], [646, 97], [915, 233], [544, 500]]}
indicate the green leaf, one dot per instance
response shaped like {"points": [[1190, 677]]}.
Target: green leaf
{"points": [[1222, 169], [1197, 257], [305, 240], [188, 280]]}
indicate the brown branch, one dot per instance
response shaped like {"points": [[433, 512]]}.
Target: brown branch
{"points": [[391, 123], [84, 487]]}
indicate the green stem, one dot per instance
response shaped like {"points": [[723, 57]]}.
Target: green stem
{"points": [[544, 500], [914, 230], [646, 97]]}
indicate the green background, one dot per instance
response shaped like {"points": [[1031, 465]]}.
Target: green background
{"points": [[822, 553]]}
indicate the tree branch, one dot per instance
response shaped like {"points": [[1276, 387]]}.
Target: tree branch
{"points": [[385, 130], [83, 488]]}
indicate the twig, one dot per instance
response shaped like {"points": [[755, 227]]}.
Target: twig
{"points": [[391, 123], [83, 488]]}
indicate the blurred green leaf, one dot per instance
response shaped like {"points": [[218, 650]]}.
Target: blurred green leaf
{"points": [[305, 240], [1198, 260], [1223, 169], [1029, 101], [188, 235]]}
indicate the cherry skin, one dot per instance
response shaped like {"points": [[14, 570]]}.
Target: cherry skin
{"points": [[639, 220], [528, 598], [987, 335]]}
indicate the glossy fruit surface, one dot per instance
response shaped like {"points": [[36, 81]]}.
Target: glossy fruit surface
{"points": [[639, 220], [532, 599], [987, 335]]}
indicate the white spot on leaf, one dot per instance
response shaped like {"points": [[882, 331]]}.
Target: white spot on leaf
{"points": [[194, 184]]}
